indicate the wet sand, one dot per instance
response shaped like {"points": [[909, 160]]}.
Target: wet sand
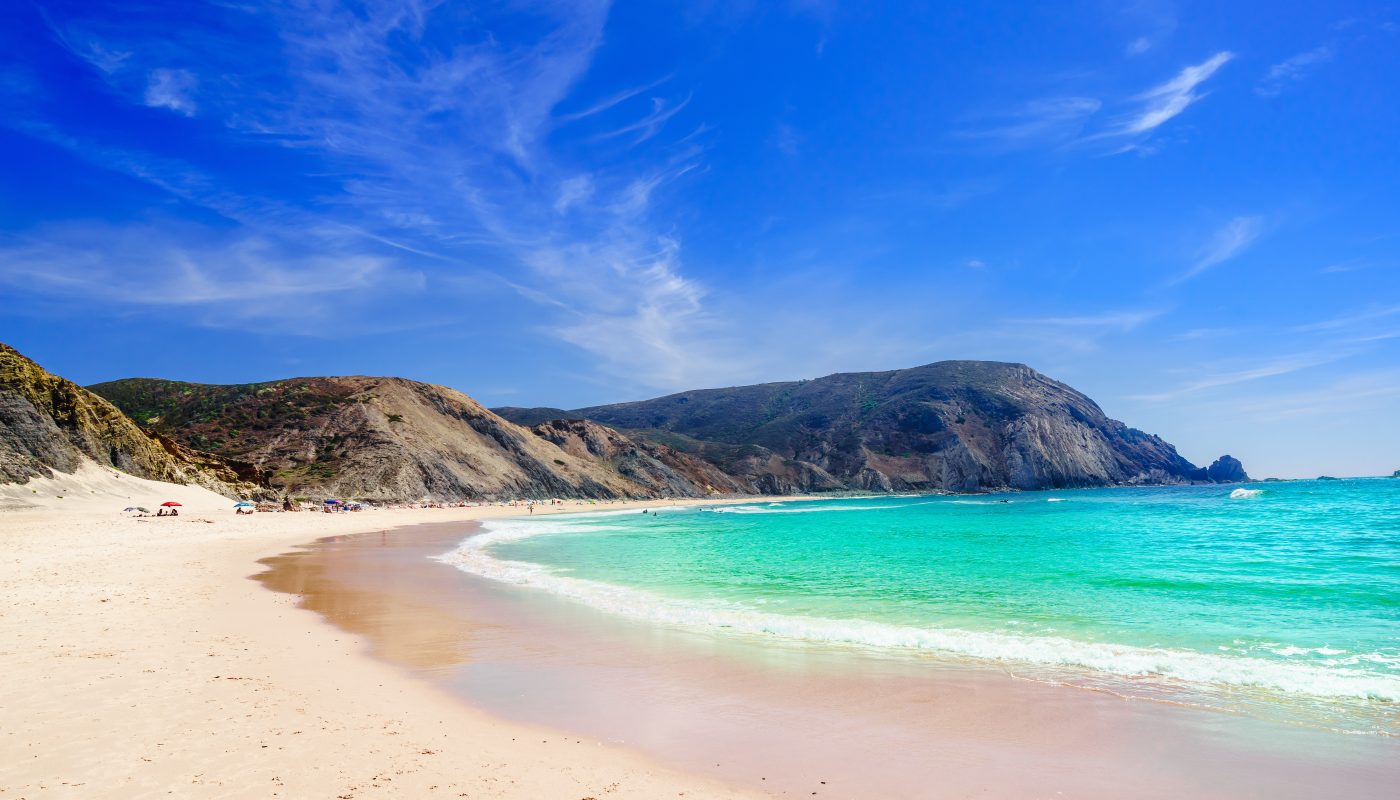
{"points": [[797, 720]]}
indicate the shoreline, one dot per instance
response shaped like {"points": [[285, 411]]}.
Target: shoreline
{"points": [[144, 658], [140, 659], [794, 720]]}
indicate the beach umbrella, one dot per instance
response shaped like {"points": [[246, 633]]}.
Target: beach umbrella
{"points": [[244, 505], [330, 502], [131, 508], [170, 503], [143, 509]]}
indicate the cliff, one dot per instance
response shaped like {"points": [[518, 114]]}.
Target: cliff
{"points": [[49, 424]]}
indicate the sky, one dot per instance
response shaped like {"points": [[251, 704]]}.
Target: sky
{"points": [[1188, 211]]}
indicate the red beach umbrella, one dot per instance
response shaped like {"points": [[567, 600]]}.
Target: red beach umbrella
{"points": [[170, 503]]}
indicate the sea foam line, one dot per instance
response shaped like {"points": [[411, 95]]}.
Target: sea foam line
{"points": [[1121, 660]]}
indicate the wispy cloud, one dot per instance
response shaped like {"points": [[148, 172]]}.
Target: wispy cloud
{"points": [[1234, 238], [437, 159], [1138, 46], [1353, 320], [1216, 380], [1156, 18], [572, 191], [1346, 266], [655, 330], [1079, 120], [219, 281], [1041, 121], [1080, 333], [1291, 70], [1119, 320], [610, 101], [1194, 334], [172, 89], [1163, 102], [661, 111], [1375, 391]]}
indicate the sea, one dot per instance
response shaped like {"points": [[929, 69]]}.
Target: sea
{"points": [[1280, 600]]}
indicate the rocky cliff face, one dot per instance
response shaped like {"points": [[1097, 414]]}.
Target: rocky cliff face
{"points": [[957, 426], [662, 470], [51, 424], [394, 439]]}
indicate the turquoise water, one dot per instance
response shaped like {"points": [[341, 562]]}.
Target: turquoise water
{"points": [[1285, 592]]}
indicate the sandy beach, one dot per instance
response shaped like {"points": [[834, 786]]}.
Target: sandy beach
{"points": [[143, 659], [140, 661]]}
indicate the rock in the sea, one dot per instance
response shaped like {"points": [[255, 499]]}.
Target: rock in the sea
{"points": [[1226, 469]]}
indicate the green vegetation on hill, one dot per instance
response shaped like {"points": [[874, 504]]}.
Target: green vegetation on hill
{"points": [[49, 424], [395, 439]]}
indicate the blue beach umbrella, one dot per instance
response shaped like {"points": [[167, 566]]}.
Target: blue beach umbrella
{"points": [[243, 505], [330, 502]]}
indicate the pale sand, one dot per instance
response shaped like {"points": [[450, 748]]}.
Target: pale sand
{"points": [[138, 660]]}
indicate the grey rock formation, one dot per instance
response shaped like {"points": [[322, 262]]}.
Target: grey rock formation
{"points": [[960, 426], [1226, 469], [661, 470]]}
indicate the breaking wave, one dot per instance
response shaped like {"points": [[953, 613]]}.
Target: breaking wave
{"points": [[1165, 664], [805, 509]]}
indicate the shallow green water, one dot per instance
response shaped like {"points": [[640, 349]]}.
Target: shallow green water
{"points": [[1293, 591]]}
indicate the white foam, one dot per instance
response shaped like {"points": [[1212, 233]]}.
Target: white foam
{"points": [[1245, 494], [1294, 650], [1122, 660], [810, 509]]}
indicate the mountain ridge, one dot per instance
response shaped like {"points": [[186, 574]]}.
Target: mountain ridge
{"points": [[951, 426], [946, 426], [392, 439]]}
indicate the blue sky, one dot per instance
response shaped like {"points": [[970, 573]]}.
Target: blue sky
{"points": [[1189, 211]]}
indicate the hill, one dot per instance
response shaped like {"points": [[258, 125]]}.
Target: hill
{"points": [[391, 439], [49, 424], [958, 426]]}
